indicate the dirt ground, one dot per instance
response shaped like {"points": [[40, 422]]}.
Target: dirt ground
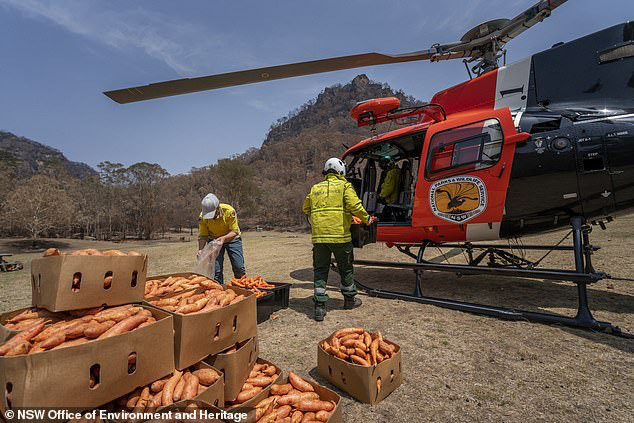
{"points": [[457, 366]]}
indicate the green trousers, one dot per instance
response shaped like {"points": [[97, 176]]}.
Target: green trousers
{"points": [[321, 266]]}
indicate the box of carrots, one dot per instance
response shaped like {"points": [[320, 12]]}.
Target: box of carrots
{"points": [[84, 358], [361, 363], [235, 363], [208, 319], [271, 296], [87, 278]]}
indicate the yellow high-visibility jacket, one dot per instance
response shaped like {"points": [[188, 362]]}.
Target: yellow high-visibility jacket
{"points": [[389, 189], [330, 205]]}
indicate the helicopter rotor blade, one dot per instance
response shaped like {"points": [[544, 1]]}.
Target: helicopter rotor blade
{"points": [[484, 40], [212, 82]]}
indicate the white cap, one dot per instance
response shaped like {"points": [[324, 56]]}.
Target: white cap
{"points": [[210, 204]]}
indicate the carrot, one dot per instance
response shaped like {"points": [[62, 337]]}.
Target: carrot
{"points": [[374, 347]]}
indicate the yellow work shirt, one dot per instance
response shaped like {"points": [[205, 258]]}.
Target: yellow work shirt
{"points": [[225, 221], [389, 189], [331, 205]]}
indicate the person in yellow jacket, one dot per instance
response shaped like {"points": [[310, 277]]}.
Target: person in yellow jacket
{"points": [[219, 223], [389, 191], [330, 205]]}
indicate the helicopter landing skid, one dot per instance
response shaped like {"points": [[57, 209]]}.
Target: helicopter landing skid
{"points": [[583, 275]]}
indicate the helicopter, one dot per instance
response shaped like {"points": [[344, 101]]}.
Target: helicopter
{"points": [[517, 149]]}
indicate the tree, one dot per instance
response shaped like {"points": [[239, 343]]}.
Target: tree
{"points": [[39, 205], [144, 193]]}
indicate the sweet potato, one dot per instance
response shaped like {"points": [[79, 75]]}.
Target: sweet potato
{"points": [[295, 398], [281, 389], [260, 381], [168, 390], [22, 347], [125, 325], [180, 387], [206, 376], [347, 331], [72, 343], [315, 405], [349, 337], [247, 394], [269, 370], [26, 335], [107, 282], [94, 329], [113, 253], [297, 416], [358, 360], [191, 387], [157, 386], [386, 348], [51, 252], [266, 401], [54, 340], [308, 417], [192, 308], [322, 415], [237, 299], [299, 383], [361, 353], [133, 398], [144, 398], [284, 411], [374, 347]]}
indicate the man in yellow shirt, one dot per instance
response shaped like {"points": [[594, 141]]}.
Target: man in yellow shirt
{"points": [[330, 206], [219, 223]]}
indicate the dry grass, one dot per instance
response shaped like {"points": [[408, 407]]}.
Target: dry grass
{"points": [[458, 366]]}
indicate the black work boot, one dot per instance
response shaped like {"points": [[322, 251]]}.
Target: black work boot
{"points": [[320, 311], [351, 302]]}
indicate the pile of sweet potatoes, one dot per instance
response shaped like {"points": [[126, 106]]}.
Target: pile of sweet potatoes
{"points": [[293, 402], [41, 330], [194, 301], [358, 346]]}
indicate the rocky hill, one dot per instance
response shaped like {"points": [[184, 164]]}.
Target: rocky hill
{"points": [[24, 158], [332, 108]]}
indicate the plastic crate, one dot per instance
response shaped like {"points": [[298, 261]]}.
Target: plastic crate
{"points": [[265, 306], [282, 293]]}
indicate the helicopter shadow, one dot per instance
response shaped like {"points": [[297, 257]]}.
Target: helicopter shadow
{"points": [[513, 293]]}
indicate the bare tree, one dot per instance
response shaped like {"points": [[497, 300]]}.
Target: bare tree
{"points": [[39, 205]]}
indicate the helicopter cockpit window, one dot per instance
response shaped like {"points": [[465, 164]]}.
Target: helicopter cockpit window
{"points": [[470, 147]]}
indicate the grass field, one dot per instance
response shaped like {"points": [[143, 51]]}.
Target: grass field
{"points": [[457, 366]]}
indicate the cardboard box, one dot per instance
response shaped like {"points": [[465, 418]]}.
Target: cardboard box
{"points": [[249, 406], [325, 394], [360, 381], [199, 335], [52, 284], [235, 366], [60, 377]]}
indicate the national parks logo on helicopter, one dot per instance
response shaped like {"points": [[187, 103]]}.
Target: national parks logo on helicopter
{"points": [[458, 199]]}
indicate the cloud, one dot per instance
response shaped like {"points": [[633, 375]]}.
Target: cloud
{"points": [[187, 49]]}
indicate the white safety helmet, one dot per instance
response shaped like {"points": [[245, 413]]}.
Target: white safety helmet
{"points": [[335, 164]]}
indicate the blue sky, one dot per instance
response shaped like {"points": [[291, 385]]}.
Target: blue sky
{"points": [[58, 56]]}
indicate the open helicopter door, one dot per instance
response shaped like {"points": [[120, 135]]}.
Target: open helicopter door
{"points": [[368, 187], [464, 176]]}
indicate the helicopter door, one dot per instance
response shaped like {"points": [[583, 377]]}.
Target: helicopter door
{"points": [[464, 176], [593, 172], [368, 187]]}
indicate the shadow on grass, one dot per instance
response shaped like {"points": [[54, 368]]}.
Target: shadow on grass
{"points": [[32, 246], [512, 293], [307, 306]]}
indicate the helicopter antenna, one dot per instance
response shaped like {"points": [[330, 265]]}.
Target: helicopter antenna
{"points": [[481, 44]]}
